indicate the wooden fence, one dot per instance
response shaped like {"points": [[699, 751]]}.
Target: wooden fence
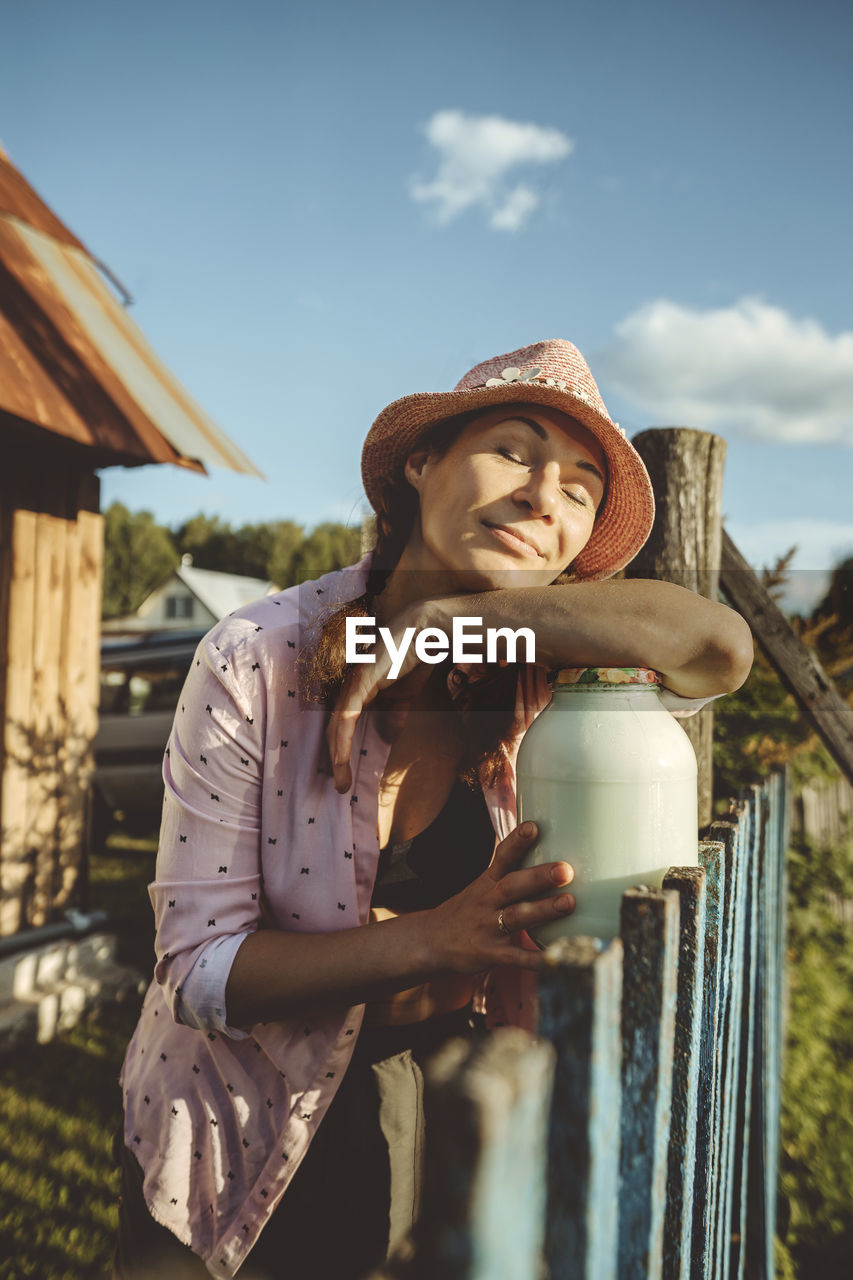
{"points": [[637, 1136], [51, 551], [823, 811]]}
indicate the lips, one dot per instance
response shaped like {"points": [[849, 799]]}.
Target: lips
{"points": [[514, 541]]}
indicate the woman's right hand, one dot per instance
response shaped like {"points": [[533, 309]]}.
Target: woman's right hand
{"points": [[464, 930]]}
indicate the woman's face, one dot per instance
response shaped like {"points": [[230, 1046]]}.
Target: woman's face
{"points": [[510, 503]]}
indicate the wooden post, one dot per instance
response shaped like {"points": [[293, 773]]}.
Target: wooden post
{"points": [[731, 834], [484, 1177], [686, 468], [649, 929], [711, 857], [580, 998], [689, 883]]}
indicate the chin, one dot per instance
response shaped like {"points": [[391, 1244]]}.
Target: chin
{"points": [[502, 577]]}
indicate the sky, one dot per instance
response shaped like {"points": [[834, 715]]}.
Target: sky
{"points": [[317, 209]]}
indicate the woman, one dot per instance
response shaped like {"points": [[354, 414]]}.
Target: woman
{"points": [[301, 977]]}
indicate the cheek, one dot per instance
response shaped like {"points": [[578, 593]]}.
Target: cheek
{"points": [[576, 532]]}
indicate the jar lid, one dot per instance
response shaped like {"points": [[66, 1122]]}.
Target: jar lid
{"points": [[601, 676]]}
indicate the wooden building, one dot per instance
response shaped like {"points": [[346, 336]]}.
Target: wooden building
{"points": [[80, 389]]}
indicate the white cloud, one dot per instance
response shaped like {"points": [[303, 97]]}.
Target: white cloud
{"points": [[475, 156], [748, 369]]}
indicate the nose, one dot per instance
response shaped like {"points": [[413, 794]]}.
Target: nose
{"points": [[540, 492]]}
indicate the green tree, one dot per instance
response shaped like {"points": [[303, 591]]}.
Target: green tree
{"points": [[138, 555], [209, 540], [265, 550], [328, 546], [287, 539]]}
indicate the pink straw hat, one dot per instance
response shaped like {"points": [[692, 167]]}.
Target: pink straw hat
{"points": [[551, 373]]}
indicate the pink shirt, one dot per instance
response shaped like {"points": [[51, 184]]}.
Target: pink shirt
{"points": [[254, 833]]}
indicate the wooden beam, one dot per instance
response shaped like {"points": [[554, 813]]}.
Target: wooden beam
{"points": [[796, 665]]}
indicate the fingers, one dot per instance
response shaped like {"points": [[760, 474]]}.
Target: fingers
{"points": [[530, 915], [534, 882], [512, 849]]}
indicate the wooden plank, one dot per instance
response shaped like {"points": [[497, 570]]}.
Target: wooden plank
{"points": [[796, 665], [72, 676], [482, 1213], [16, 856], [729, 1029], [580, 997], [764, 1137], [752, 822], [47, 720], [712, 860], [689, 884], [725, 834], [649, 929], [79, 687]]}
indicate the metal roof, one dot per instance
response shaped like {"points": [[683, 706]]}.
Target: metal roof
{"points": [[73, 363]]}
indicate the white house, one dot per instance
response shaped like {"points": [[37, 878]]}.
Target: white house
{"points": [[191, 599]]}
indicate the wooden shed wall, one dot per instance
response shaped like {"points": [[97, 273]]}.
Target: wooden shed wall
{"points": [[51, 565]]}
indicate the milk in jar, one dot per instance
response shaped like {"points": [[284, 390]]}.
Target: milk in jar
{"points": [[610, 779]]}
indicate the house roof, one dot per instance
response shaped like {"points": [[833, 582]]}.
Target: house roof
{"points": [[73, 363], [222, 593]]}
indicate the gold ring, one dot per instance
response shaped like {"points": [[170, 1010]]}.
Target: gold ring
{"points": [[502, 929]]}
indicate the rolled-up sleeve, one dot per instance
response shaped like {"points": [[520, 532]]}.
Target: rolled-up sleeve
{"points": [[207, 891]]}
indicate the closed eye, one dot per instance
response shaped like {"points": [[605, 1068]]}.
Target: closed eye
{"points": [[579, 499]]}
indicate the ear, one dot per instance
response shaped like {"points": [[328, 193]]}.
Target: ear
{"points": [[415, 466]]}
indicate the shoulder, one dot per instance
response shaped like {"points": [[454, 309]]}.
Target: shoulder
{"points": [[283, 625]]}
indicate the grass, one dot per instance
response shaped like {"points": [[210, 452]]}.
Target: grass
{"points": [[60, 1107]]}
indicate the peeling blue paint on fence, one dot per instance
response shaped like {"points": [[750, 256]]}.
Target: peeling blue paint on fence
{"points": [[580, 1014], [658, 1137], [649, 929], [690, 884], [712, 860]]}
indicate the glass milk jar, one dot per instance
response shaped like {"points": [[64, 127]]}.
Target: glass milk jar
{"points": [[610, 778]]}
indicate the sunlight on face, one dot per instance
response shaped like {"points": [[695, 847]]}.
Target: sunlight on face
{"points": [[511, 503]]}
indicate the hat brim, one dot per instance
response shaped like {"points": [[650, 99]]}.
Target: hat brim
{"points": [[622, 524]]}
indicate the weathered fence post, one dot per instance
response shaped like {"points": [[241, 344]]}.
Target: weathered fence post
{"points": [[649, 929], [686, 468], [713, 864], [580, 999], [689, 883], [763, 1157], [484, 1178]]}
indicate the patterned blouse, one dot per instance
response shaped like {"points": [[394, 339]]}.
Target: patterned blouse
{"points": [[254, 834]]}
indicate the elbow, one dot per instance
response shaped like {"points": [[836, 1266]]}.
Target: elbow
{"points": [[733, 651]]}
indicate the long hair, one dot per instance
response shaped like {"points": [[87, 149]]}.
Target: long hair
{"points": [[490, 700]]}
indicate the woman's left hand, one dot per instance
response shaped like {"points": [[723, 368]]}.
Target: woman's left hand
{"points": [[365, 682]]}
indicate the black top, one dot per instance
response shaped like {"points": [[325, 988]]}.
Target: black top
{"points": [[440, 861]]}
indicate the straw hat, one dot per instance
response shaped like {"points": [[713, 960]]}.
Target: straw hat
{"points": [[551, 373]]}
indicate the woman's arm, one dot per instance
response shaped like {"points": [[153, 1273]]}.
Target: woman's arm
{"points": [[279, 975], [700, 647]]}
